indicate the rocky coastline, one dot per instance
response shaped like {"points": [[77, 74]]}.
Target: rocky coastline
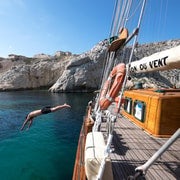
{"points": [[67, 72]]}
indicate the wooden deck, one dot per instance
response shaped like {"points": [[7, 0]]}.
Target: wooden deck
{"points": [[132, 147]]}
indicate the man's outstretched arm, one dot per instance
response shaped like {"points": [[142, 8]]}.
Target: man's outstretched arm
{"points": [[25, 122], [53, 109]]}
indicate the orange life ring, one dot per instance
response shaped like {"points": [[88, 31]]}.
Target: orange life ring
{"points": [[112, 86]]}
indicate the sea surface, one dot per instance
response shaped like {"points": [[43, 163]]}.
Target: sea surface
{"points": [[47, 150]]}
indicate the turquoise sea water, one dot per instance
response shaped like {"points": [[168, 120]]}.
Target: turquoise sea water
{"points": [[47, 150]]}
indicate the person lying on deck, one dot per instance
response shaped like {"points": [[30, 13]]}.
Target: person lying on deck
{"points": [[45, 110]]}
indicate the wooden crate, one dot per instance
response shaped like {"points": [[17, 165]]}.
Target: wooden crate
{"points": [[156, 111]]}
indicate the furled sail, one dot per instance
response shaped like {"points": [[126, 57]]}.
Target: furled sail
{"points": [[164, 60]]}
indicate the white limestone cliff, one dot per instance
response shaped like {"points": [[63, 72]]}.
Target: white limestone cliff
{"points": [[65, 72]]}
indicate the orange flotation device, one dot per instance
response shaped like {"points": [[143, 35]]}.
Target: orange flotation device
{"points": [[112, 86]]}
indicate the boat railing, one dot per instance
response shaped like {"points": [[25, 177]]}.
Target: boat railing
{"points": [[98, 120]]}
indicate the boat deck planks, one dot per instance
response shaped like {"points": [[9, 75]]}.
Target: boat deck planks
{"points": [[132, 147]]}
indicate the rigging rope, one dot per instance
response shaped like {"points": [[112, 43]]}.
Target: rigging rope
{"points": [[134, 12], [108, 65], [130, 58], [125, 14], [112, 23], [115, 18]]}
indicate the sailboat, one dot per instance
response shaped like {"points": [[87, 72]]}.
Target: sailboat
{"points": [[127, 133]]}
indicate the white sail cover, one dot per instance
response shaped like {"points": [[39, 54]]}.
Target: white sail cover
{"points": [[94, 154], [164, 60]]}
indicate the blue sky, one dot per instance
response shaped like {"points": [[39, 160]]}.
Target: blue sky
{"points": [[30, 27]]}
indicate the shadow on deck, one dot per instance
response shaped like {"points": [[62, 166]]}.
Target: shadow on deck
{"points": [[132, 147]]}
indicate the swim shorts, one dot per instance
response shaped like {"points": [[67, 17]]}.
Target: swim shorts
{"points": [[46, 110]]}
